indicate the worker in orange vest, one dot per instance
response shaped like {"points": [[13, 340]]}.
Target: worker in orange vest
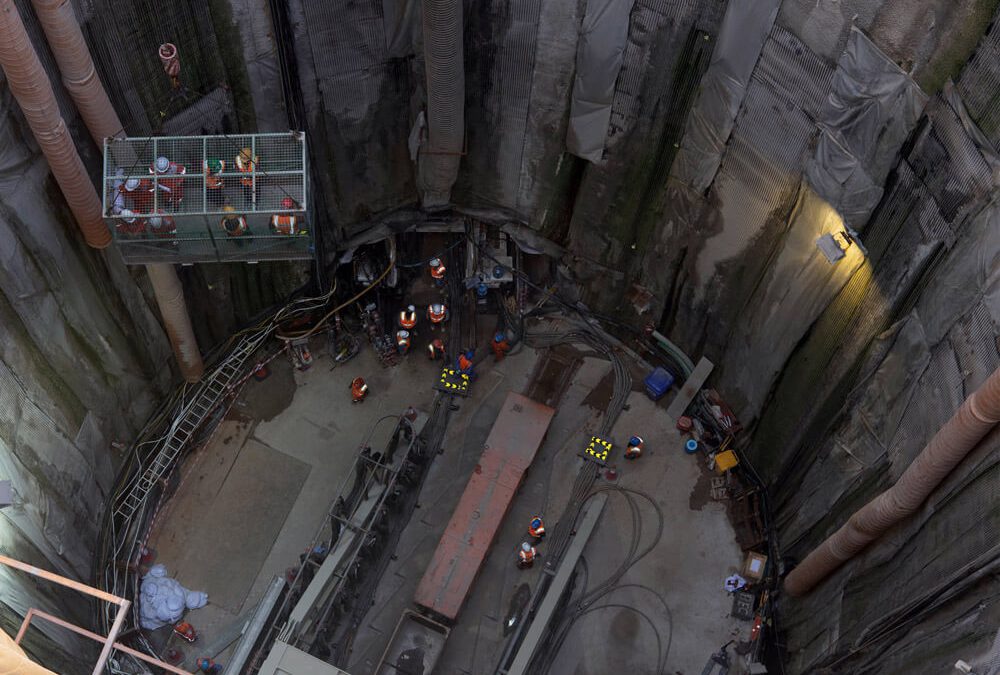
{"points": [[286, 223], [137, 195], [234, 225], [435, 349], [437, 271], [359, 390], [214, 182], [500, 346], [129, 223], [170, 189], [403, 341], [408, 318], [163, 226], [437, 313], [246, 163], [536, 528], [634, 449], [465, 362], [526, 556]]}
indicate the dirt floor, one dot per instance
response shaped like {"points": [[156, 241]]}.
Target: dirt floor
{"points": [[252, 499]]}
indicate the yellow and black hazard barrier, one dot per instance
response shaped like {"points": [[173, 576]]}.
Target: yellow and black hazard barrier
{"points": [[597, 450], [453, 382]]}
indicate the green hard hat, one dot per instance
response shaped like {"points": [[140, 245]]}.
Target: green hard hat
{"points": [[214, 166]]}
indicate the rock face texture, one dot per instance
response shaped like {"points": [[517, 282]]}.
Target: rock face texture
{"points": [[738, 133]]}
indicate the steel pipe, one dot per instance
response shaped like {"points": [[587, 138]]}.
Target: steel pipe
{"points": [[77, 67], [33, 91], [975, 418], [445, 73], [170, 297]]}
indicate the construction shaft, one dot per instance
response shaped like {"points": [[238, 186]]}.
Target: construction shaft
{"points": [[975, 418], [31, 87]]}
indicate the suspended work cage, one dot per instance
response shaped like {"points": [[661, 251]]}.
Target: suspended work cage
{"points": [[208, 198]]}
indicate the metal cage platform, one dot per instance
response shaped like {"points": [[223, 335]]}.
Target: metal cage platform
{"points": [[208, 198]]}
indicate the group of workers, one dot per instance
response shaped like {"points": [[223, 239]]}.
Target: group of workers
{"points": [[527, 553], [133, 199]]}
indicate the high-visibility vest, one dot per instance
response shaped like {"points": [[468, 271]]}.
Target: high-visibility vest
{"points": [[284, 224], [536, 532], [131, 226], [527, 556], [437, 313], [140, 199], [438, 272], [213, 181], [633, 451], [402, 341], [463, 362], [166, 228], [234, 225], [246, 167], [407, 319]]}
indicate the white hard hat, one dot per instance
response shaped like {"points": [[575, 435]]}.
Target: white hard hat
{"points": [[131, 184], [435, 262], [525, 546], [155, 221], [403, 334], [411, 308], [127, 215], [162, 164]]}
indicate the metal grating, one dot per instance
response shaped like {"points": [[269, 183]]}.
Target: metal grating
{"points": [[178, 212]]}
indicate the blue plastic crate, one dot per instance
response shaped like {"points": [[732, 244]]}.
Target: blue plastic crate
{"points": [[658, 383]]}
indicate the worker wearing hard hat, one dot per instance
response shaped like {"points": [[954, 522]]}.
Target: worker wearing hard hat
{"points": [[500, 346], [234, 224], [465, 364], [163, 226], [137, 195], [129, 224], [359, 390], [437, 271], [247, 164], [286, 223], [526, 555], [214, 182], [437, 313], [408, 318], [536, 528], [634, 449], [403, 341], [169, 189]]}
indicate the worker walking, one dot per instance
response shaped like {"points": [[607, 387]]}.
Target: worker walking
{"points": [[286, 223], [408, 318], [246, 163], [526, 556], [214, 182], [536, 528], [435, 349], [634, 449], [437, 313], [403, 341], [437, 271], [500, 346], [359, 390]]}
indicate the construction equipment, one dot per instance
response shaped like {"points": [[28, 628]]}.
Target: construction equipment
{"points": [[719, 658]]}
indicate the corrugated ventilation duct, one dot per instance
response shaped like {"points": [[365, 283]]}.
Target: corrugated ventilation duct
{"points": [[33, 91], [975, 418], [30, 85], [442, 153]]}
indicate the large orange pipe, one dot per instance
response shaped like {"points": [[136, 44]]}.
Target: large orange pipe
{"points": [[33, 91], [975, 418], [36, 98], [79, 75]]}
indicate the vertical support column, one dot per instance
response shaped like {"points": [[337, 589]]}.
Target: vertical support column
{"points": [[170, 297]]}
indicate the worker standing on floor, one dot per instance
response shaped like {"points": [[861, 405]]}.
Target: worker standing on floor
{"points": [[234, 224], [536, 528], [408, 318], [526, 556], [246, 163], [437, 313], [286, 223], [500, 346], [435, 349], [403, 341], [129, 223], [634, 449], [137, 195], [214, 182], [437, 271], [359, 390], [169, 181], [163, 226], [465, 364]]}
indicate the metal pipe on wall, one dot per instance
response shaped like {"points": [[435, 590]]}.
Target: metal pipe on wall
{"points": [[442, 153], [975, 418], [33, 91], [77, 67], [91, 99]]}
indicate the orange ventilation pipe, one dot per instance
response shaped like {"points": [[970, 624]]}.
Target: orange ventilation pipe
{"points": [[33, 91], [79, 75], [31, 86], [976, 417]]}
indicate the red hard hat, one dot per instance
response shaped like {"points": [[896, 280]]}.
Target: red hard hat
{"points": [[287, 203]]}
